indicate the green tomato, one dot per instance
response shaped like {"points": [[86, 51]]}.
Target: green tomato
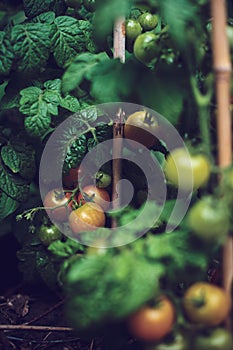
{"points": [[49, 234], [145, 47], [102, 179], [218, 339], [181, 169], [133, 29], [148, 21], [209, 219]]}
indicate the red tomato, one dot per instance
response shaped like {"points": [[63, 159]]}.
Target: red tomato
{"points": [[58, 200], [95, 194], [151, 323], [76, 176], [88, 217]]}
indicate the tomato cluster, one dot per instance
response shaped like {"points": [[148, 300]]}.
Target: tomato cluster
{"points": [[141, 37], [202, 304], [81, 204]]}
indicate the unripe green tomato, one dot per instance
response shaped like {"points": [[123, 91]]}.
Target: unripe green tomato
{"points": [[49, 234], [208, 219], [133, 29], [145, 47], [148, 21], [186, 171], [103, 179]]}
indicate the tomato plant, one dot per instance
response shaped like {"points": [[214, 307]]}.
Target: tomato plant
{"points": [[86, 218], [59, 64], [206, 304], [152, 323]]}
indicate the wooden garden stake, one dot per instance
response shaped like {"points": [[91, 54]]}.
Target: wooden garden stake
{"points": [[222, 68], [119, 52]]}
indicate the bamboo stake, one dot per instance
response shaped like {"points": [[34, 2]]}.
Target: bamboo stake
{"points": [[119, 39], [222, 68], [119, 52]]}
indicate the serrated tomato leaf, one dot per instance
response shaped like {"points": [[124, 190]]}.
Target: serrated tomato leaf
{"points": [[69, 36], [31, 45], [7, 205], [13, 185], [6, 54], [33, 8], [19, 158]]}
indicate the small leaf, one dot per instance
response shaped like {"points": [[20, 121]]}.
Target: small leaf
{"points": [[65, 249]]}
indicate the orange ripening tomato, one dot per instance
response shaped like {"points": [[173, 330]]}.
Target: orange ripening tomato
{"points": [[152, 323], [88, 217]]}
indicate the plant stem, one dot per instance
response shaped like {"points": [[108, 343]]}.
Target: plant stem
{"points": [[117, 162], [203, 102]]}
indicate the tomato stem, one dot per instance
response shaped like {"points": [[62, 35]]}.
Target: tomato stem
{"points": [[203, 102]]}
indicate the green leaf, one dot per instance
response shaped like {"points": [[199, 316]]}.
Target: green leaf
{"points": [[7, 205], [13, 185], [178, 17], [168, 92], [38, 106], [20, 158], [65, 249], [68, 38], [71, 103], [6, 54], [75, 153], [31, 44], [46, 17], [80, 68], [33, 8]]}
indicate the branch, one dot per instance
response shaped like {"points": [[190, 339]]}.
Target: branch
{"points": [[19, 327]]}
